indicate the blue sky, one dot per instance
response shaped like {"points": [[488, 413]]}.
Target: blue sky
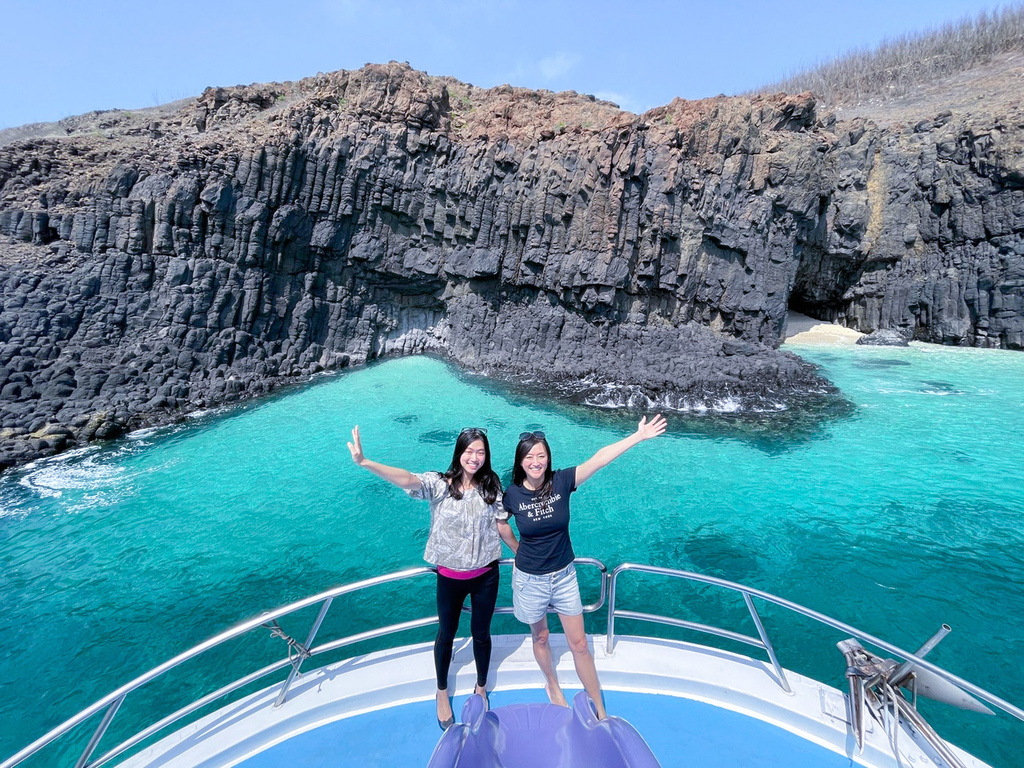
{"points": [[64, 58]]}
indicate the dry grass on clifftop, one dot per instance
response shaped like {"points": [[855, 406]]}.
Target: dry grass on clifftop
{"points": [[914, 66]]}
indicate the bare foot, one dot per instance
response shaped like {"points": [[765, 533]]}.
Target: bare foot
{"points": [[481, 691], [444, 706], [598, 707], [555, 695]]}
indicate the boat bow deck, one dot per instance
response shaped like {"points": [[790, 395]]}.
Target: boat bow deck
{"points": [[656, 682]]}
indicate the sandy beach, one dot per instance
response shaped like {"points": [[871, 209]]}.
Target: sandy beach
{"points": [[801, 329]]}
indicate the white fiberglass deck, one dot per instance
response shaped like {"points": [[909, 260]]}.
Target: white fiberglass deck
{"points": [[692, 704]]}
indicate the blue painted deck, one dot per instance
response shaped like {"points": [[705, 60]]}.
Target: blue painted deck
{"points": [[681, 732]]}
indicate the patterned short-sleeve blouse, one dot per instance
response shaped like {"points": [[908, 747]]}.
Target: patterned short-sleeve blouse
{"points": [[463, 532]]}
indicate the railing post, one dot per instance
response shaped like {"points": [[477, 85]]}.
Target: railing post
{"points": [[98, 734], [767, 643], [610, 637], [305, 650]]}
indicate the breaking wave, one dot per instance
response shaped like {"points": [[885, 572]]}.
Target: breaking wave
{"points": [[53, 478], [610, 395]]}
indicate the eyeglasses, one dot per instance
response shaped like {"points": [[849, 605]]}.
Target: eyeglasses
{"points": [[538, 435], [473, 429]]}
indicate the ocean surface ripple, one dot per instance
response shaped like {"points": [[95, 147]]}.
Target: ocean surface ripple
{"points": [[897, 511]]}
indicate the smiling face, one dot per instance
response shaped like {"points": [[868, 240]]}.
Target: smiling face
{"points": [[535, 464], [474, 457]]}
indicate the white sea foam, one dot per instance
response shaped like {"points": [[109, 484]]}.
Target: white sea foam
{"points": [[614, 396], [598, 393], [71, 455], [52, 478], [10, 507], [727, 405], [608, 403], [204, 412], [101, 498]]}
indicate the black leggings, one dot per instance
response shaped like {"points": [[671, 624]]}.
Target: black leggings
{"points": [[451, 594]]}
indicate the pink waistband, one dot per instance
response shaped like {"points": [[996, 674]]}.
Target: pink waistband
{"points": [[442, 571]]}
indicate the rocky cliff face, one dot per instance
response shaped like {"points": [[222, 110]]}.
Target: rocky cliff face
{"points": [[924, 231], [264, 233]]}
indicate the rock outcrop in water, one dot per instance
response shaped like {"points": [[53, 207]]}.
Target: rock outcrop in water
{"points": [[160, 262], [884, 337]]}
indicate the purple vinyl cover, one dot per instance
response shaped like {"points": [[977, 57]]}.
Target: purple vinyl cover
{"points": [[540, 736]]}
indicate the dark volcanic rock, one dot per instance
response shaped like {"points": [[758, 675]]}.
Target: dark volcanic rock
{"points": [[261, 234], [884, 338]]}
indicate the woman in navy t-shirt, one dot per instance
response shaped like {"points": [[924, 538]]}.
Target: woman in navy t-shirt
{"points": [[544, 576]]}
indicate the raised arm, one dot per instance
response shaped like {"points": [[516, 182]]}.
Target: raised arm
{"points": [[644, 431], [393, 475]]}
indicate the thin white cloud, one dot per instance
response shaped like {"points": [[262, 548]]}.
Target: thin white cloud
{"points": [[624, 101], [518, 77], [552, 67], [344, 11]]}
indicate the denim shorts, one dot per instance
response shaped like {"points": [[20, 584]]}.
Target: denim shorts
{"points": [[533, 594]]}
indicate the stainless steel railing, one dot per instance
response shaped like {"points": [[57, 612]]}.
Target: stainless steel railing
{"points": [[764, 643], [112, 702], [298, 653]]}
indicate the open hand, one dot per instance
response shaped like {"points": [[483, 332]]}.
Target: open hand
{"points": [[356, 447], [648, 429]]}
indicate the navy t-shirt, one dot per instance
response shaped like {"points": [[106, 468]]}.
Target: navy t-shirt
{"points": [[543, 524]]}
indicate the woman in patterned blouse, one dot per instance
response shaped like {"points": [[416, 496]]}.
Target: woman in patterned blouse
{"points": [[467, 524]]}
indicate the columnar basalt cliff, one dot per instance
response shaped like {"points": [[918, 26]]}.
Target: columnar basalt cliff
{"points": [[159, 262]]}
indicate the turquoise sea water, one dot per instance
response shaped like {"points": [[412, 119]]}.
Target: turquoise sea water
{"points": [[903, 513]]}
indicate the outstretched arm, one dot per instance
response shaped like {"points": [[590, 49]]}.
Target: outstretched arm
{"points": [[644, 431], [393, 475], [508, 536]]}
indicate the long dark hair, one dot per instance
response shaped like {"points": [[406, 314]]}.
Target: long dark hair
{"points": [[519, 474], [486, 479]]}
